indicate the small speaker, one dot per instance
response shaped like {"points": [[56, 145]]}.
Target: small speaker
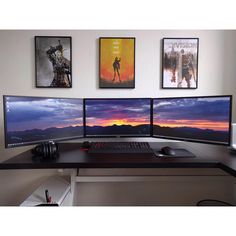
{"points": [[46, 150]]}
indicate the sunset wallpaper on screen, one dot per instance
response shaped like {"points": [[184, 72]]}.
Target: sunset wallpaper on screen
{"points": [[117, 116], [32, 119], [203, 118], [117, 62]]}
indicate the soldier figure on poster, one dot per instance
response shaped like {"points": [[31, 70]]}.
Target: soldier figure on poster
{"points": [[116, 67], [186, 69]]}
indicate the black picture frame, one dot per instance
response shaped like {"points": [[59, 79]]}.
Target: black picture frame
{"points": [[180, 63], [111, 62], [53, 61]]}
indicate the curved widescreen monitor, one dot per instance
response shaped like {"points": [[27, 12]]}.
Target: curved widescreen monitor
{"points": [[198, 119], [32, 120], [117, 117]]}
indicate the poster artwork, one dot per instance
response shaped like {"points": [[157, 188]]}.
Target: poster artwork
{"points": [[117, 63], [53, 61], [180, 58]]}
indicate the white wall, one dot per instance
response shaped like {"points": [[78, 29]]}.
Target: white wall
{"points": [[216, 71], [229, 68]]}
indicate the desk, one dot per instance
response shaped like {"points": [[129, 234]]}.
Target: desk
{"points": [[207, 156], [71, 157]]}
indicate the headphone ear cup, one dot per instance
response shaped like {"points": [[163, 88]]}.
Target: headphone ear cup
{"points": [[46, 150], [54, 149], [35, 150]]}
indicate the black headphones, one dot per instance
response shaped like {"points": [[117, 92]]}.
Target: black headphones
{"points": [[46, 150]]}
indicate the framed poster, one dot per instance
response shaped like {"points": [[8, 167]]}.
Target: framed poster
{"points": [[116, 62], [53, 62], [180, 63]]}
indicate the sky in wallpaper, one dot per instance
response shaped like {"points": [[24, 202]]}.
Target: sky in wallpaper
{"points": [[110, 112], [203, 113], [26, 113]]}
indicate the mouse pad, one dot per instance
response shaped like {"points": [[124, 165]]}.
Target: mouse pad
{"points": [[183, 153]]}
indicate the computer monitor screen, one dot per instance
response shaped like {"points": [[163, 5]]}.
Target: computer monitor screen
{"points": [[32, 120], [117, 117], [199, 119]]}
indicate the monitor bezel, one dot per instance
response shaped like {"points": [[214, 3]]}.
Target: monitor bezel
{"points": [[40, 141], [118, 136], [197, 140]]}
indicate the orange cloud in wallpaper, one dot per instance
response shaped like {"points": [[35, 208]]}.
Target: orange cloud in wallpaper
{"points": [[200, 124], [118, 117], [117, 62]]}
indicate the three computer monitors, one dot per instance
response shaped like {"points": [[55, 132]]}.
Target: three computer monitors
{"points": [[198, 119], [32, 120], [117, 117]]}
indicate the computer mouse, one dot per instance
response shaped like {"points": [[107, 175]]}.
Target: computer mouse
{"points": [[167, 151]]}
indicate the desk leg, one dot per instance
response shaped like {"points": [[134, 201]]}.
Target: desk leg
{"points": [[73, 176]]}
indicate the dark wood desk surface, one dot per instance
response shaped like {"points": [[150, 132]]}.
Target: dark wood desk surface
{"points": [[71, 156]]}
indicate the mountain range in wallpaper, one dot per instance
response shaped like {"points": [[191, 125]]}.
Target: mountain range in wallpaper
{"points": [[117, 117], [35, 135], [129, 130], [200, 119], [192, 133], [35, 119]]}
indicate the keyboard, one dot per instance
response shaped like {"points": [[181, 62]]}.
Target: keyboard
{"points": [[120, 147]]}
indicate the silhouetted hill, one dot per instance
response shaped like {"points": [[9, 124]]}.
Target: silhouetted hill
{"points": [[47, 134], [118, 130], [109, 84], [191, 133]]}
